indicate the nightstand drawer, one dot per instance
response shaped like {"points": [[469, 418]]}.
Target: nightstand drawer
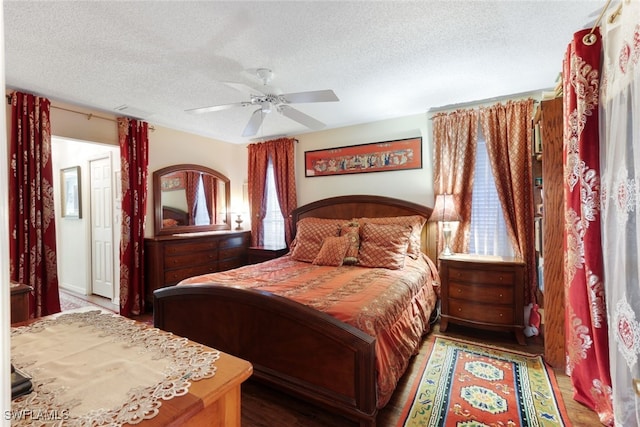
{"points": [[502, 315], [482, 294], [480, 277], [482, 291]]}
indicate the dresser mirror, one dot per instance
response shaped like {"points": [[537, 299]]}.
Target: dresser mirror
{"points": [[190, 198]]}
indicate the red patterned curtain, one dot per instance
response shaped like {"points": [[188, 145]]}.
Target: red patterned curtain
{"points": [[455, 136], [281, 153], [32, 247], [283, 158], [134, 147], [507, 132], [258, 162], [210, 184], [587, 343], [191, 179]]}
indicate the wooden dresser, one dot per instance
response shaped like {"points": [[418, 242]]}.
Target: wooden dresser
{"points": [[172, 258], [484, 292]]}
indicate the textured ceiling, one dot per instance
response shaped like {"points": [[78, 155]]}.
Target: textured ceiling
{"points": [[383, 59]]}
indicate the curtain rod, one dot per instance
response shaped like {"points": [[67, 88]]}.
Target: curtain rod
{"points": [[88, 115], [590, 38], [487, 100], [91, 115]]}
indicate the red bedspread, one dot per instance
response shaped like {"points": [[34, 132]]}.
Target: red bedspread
{"points": [[392, 305]]}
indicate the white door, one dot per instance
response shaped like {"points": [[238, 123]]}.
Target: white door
{"points": [[102, 269]]}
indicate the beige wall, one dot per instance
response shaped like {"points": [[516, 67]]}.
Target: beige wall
{"points": [[413, 185], [168, 146]]}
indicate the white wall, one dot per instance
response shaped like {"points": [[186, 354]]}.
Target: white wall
{"points": [[414, 185], [73, 235], [5, 309]]}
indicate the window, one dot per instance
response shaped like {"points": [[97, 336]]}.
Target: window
{"points": [[488, 229], [273, 222], [202, 213]]}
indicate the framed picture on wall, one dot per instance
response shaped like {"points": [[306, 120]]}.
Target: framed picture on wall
{"points": [[383, 156], [71, 193]]}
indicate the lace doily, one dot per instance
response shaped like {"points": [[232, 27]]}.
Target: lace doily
{"points": [[92, 369]]}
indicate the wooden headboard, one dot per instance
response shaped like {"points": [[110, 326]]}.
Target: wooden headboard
{"points": [[179, 215], [357, 206]]}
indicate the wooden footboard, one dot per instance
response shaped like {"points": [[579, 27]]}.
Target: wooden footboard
{"points": [[299, 350]]}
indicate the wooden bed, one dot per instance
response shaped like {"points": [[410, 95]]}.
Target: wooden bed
{"points": [[289, 343]]}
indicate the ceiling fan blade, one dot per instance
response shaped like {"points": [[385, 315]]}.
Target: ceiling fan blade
{"points": [[312, 96], [300, 117], [241, 87], [217, 107], [254, 123]]}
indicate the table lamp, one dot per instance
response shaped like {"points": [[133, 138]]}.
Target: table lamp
{"points": [[445, 212]]}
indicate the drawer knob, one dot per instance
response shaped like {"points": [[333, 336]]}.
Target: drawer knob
{"points": [[500, 295], [459, 309], [500, 278], [500, 314]]}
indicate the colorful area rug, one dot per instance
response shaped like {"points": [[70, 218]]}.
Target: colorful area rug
{"points": [[465, 384]]}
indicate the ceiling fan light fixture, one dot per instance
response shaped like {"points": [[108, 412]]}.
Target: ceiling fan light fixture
{"points": [[265, 75], [266, 106]]}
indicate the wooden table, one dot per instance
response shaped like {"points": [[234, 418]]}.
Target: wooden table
{"points": [[214, 401]]}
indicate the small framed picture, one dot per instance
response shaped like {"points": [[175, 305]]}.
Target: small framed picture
{"points": [[71, 192]]}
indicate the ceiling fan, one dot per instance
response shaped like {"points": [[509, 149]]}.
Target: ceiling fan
{"points": [[269, 99]]}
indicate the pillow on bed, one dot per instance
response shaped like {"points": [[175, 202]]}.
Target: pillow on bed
{"points": [[333, 251], [309, 238], [383, 245], [169, 222], [351, 230], [416, 222]]}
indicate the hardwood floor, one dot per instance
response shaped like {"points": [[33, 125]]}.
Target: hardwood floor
{"points": [[266, 407], [263, 406]]}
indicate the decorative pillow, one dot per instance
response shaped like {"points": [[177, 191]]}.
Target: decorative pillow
{"points": [[383, 245], [169, 222], [309, 237], [332, 251], [351, 229], [416, 222]]}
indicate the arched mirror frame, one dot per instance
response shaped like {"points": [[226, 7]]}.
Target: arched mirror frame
{"points": [[157, 201]]}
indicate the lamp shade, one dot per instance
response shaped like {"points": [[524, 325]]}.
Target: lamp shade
{"points": [[444, 210]]}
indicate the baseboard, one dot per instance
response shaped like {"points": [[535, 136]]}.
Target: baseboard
{"points": [[73, 289]]}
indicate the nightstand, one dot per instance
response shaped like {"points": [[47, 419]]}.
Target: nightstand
{"points": [[264, 253], [19, 302], [483, 292]]}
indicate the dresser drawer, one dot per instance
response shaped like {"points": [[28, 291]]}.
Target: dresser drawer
{"points": [[231, 253], [197, 258], [230, 263], [502, 315], [233, 242], [184, 248], [490, 294], [174, 276], [170, 259], [479, 276]]}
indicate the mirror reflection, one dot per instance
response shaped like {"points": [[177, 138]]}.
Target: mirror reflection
{"points": [[190, 198]]}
